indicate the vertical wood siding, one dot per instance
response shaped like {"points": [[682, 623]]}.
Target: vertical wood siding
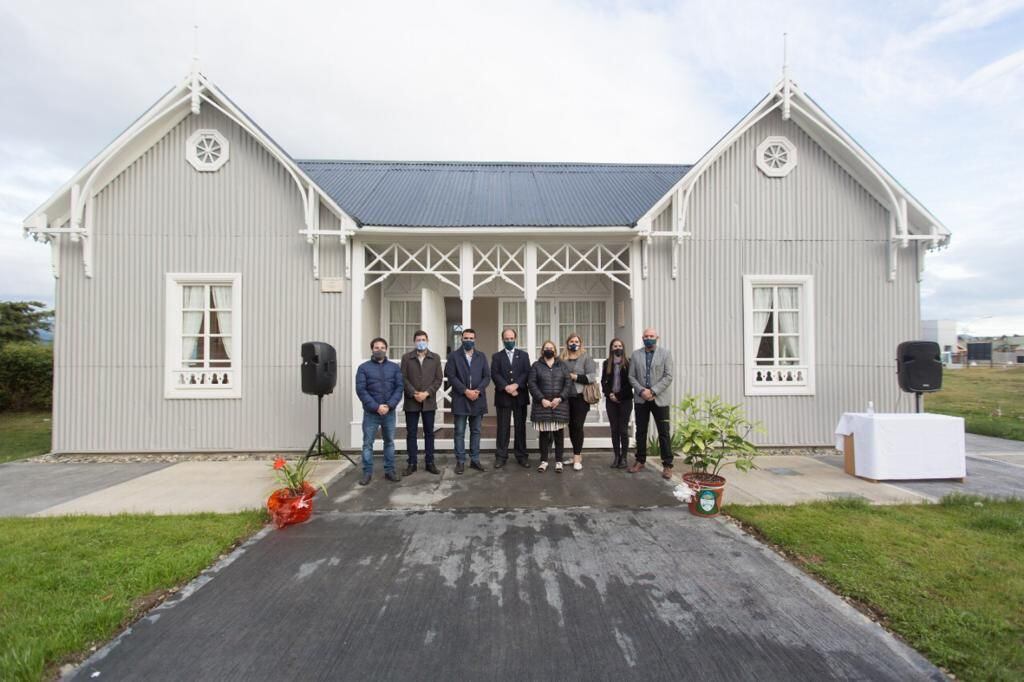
{"points": [[818, 221], [161, 216]]}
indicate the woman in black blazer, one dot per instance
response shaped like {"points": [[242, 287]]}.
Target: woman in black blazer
{"points": [[619, 399]]}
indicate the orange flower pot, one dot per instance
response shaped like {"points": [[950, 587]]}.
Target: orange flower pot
{"points": [[708, 491], [286, 507]]}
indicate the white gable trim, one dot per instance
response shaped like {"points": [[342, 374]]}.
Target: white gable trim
{"points": [[71, 204], [910, 220]]}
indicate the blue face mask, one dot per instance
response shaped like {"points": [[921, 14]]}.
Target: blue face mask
{"points": [[468, 344], [649, 343], [509, 345], [421, 346]]}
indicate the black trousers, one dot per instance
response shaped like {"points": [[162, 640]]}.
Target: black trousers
{"points": [[578, 409], [507, 415], [618, 419], [546, 440], [644, 411]]}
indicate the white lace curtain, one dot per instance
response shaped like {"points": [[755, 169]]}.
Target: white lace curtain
{"points": [[777, 313], [192, 322], [222, 302]]}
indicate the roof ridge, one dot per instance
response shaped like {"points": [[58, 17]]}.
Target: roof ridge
{"points": [[532, 164]]}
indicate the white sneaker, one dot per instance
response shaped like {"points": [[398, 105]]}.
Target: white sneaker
{"points": [[577, 466], [558, 467], [543, 467]]}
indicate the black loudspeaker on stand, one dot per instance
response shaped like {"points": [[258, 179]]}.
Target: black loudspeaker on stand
{"points": [[919, 368], [319, 377]]}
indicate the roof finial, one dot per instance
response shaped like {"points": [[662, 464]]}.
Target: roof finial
{"points": [[194, 76], [195, 48], [785, 55], [786, 90]]}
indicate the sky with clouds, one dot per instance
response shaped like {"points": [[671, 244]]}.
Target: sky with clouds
{"points": [[933, 90]]}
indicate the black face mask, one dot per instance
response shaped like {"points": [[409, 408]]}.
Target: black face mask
{"points": [[617, 352], [548, 353]]}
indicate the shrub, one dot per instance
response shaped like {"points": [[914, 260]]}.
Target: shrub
{"points": [[26, 376]]}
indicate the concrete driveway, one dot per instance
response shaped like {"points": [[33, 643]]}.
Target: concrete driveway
{"points": [[508, 575]]}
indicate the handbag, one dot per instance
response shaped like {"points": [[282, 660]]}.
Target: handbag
{"points": [[592, 393]]}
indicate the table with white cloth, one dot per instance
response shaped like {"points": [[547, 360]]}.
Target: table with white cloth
{"points": [[881, 446]]}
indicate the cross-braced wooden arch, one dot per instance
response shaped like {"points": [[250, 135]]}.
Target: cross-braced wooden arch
{"points": [[499, 262], [384, 260], [599, 259]]}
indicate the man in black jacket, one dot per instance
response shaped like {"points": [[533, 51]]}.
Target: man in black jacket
{"points": [[510, 367]]}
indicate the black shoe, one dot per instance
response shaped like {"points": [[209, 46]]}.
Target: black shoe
{"points": [[365, 480], [622, 463], [477, 465], [392, 476], [500, 463], [616, 462], [431, 469], [524, 462], [460, 467], [409, 470]]}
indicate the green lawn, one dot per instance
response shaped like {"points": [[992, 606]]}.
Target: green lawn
{"points": [[69, 583], [991, 400], [949, 578], [23, 434]]}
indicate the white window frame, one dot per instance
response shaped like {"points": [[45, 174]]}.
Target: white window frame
{"points": [[553, 302], [385, 331], [172, 340], [807, 365]]}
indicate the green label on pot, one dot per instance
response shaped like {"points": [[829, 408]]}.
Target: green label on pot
{"points": [[706, 501]]}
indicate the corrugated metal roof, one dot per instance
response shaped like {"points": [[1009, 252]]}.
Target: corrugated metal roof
{"points": [[456, 194]]}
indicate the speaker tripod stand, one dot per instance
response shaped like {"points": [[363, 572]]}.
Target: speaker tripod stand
{"points": [[320, 438]]}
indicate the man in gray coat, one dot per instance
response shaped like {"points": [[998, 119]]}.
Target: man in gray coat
{"points": [[650, 374]]}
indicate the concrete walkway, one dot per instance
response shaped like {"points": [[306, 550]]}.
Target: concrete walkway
{"points": [[995, 467], [184, 488]]}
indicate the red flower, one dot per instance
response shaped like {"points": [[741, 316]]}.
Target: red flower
{"points": [[279, 463]]}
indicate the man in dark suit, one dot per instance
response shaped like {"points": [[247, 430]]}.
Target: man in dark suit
{"points": [[468, 374], [510, 368]]}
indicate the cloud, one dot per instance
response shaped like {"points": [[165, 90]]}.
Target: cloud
{"points": [[956, 17], [933, 94]]}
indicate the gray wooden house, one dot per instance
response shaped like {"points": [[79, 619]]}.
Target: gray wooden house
{"points": [[193, 256]]}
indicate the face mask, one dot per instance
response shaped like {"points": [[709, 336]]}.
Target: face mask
{"points": [[649, 343], [379, 355], [468, 344], [617, 352], [421, 346], [509, 345], [548, 353]]}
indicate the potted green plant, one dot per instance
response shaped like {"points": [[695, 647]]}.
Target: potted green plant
{"points": [[712, 434], [293, 502]]}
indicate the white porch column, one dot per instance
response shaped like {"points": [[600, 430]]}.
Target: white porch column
{"points": [[636, 284], [466, 283], [357, 293], [530, 291]]}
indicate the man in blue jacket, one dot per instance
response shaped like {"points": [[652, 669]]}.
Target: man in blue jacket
{"points": [[468, 373], [379, 386]]}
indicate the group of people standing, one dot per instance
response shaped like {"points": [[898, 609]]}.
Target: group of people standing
{"points": [[556, 384]]}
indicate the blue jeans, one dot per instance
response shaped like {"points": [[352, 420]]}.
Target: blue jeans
{"points": [[474, 437], [371, 422], [412, 420]]}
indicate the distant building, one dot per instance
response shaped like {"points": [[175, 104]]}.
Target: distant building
{"points": [[942, 332]]}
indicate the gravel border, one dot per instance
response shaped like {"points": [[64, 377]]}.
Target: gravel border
{"points": [[174, 458]]}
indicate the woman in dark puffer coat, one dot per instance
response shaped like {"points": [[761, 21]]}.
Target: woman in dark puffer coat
{"points": [[549, 384]]}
